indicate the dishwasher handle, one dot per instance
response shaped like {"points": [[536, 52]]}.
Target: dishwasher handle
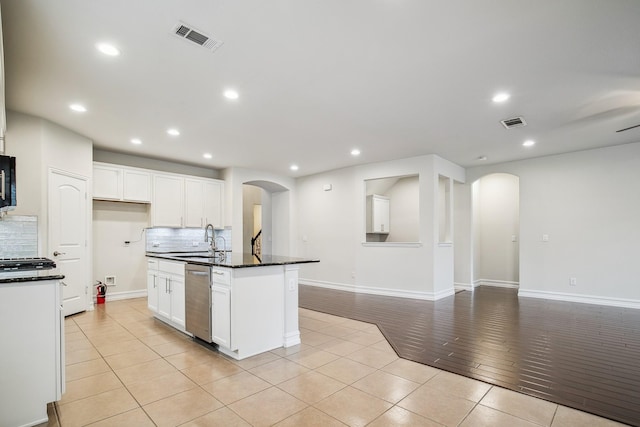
{"points": [[198, 273]]}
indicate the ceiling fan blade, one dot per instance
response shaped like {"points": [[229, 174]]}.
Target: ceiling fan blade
{"points": [[630, 127]]}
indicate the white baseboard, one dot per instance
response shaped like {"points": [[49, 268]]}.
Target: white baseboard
{"points": [[496, 283], [115, 296], [587, 299], [428, 296], [463, 286]]}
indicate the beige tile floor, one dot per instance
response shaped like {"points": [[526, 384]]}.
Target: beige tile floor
{"points": [[125, 368]]}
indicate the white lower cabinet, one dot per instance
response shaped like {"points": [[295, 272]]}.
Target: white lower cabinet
{"points": [[165, 291], [221, 316], [152, 285], [32, 360], [221, 307]]}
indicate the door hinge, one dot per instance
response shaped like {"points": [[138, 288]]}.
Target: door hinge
{"points": [[86, 290]]}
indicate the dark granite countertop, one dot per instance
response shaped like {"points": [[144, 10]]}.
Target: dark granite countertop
{"points": [[230, 260]]}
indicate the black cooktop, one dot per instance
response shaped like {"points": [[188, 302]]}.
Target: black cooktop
{"points": [[26, 264]]}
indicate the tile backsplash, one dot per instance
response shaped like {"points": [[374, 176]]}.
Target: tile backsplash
{"points": [[18, 236], [161, 240]]}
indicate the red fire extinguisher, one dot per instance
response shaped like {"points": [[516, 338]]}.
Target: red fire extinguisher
{"points": [[101, 293]]}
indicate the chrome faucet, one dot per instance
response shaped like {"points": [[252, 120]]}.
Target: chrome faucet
{"points": [[206, 235], [224, 244]]}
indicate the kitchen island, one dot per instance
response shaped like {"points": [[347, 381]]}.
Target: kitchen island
{"points": [[251, 303]]}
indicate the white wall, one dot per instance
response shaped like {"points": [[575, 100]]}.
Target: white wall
{"points": [[404, 210], [282, 239], [588, 204], [496, 220], [39, 145], [462, 229], [332, 228], [113, 224]]}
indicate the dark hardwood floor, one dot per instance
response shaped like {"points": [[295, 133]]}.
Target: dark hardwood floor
{"points": [[579, 355]]}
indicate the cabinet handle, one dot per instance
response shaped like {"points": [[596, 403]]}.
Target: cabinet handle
{"points": [[154, 282], [169, 285], [181, 222], [219, 273]]}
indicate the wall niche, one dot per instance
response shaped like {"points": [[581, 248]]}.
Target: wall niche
{"points": [[392, 209]]}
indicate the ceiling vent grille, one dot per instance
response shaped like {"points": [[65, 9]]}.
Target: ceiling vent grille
{"points": [[514, 122], [188, 32]]}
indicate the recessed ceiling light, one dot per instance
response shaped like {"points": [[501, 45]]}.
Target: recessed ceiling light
{"points": [[108, 49], [231, 94], [500, 97], [78, 108], [528, 143], [355, 152], [173, 132], [136, 141], [482, 158], [294, 167], [207, 155]]}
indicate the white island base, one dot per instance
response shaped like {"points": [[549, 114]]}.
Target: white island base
{"points": [[254, 309]]}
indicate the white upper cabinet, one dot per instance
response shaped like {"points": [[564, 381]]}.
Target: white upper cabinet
{"points": [[167, 207], [121, 183], [136, 186], [203, 202], [176, 200], [180, 201], [107, 182], [377, 214]]}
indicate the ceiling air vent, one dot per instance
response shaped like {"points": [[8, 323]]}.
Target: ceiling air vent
{"points": [[188, 32], [515, 122]]}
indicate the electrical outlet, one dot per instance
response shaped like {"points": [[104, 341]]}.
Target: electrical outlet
{"points": [[110, 280], [194, 244], [155, 244], [292, 284], [545, 237], [573, 281]]}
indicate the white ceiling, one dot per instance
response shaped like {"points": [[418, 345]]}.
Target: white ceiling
{"points": [[394, 78]]}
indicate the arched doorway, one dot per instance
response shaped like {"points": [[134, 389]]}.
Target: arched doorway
{"points": [[265, 217], [495, 230]]}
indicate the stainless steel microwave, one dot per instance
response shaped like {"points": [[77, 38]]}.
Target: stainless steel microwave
{"points": [[7, 183]]}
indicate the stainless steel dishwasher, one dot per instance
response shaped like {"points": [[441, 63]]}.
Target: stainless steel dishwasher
{"points": [[198, 301]]}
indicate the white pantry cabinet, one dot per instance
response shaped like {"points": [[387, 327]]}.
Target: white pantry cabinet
{"points": [[165, 291], [121, 183], [377, 214]]}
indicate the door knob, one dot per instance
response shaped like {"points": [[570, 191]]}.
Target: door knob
{"points": [[56, 253]]}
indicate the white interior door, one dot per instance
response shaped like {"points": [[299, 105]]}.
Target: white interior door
{"points": [[68, 237]]}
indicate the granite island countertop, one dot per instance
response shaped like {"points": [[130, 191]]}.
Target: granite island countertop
{"points": [[230, 259]]}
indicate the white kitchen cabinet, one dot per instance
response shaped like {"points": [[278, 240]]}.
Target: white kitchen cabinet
{"points": [[136, 186], [152, 285], [165, 291], [120, 183], [203, 202], [378, 214], [107, 182], [32, 360], [167, 207], [221, 307]]}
